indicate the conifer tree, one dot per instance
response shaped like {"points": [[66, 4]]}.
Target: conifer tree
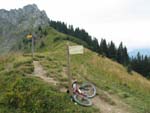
{"points": [[112, 51], [103, 49], [95, 45], [120, 53]]}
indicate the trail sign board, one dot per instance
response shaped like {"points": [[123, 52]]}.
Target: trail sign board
{"points": [[29, 36], [76, 49]]}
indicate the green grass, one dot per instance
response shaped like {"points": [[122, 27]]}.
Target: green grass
{"points": [[106, 74], [114, 78], [21, 93], [28, 95]]}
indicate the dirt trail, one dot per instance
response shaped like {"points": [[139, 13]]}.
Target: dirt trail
{"points": [[98, 101], [104, 104], [105, 107], [107, 103], [41, 73]]}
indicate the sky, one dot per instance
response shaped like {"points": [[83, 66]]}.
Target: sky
{"points": [[126, 21]]}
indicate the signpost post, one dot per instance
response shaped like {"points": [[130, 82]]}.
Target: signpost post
{"points": [[29, 36], [71, 50], [68, 71], [32, 47]]}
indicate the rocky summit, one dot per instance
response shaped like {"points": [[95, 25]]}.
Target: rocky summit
{"points": [[14, 24]]}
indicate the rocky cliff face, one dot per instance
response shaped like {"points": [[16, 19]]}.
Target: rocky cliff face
{"points": [[26, 16], [14, 24]]}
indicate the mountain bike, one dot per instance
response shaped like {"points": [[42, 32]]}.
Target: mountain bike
{"points": [[87, 91]]}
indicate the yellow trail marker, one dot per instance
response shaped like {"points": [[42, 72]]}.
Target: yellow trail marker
{"points": [[29, 36]]}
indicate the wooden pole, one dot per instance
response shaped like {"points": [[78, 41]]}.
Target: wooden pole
{"points": [[68, 72], [32, 47]]}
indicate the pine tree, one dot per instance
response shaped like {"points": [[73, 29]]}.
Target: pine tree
{"points": [[71, 30], [112, 51], [103, 49], [95, 45], [120, 53], [141, 65], [125, 56]]}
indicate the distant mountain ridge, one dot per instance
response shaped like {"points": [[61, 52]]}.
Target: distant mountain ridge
{"points": [[143, 51], [25, 16], [14, 24]]}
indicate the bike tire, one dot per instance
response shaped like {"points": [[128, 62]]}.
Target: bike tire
{"points": [[89, 89], [85, 102]]}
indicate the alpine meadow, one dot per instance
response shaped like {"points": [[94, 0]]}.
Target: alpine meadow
{"points": [[39, 83]]}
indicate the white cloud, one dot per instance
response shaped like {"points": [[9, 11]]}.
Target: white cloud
{"points": [[118, 20], [139, 8]]}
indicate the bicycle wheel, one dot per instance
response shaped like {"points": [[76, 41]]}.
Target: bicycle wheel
{"points": [[82, 100], [89, 89]]}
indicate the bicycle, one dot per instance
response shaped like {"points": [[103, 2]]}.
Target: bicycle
{"points": [[88, 91]]}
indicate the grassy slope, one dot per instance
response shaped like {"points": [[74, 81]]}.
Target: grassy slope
{"points": [[21, 93], [104, 73]]}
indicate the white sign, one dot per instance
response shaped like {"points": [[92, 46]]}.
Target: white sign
{"points": [[75, 50]]}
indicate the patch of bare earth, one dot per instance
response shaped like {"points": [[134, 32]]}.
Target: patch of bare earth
{"points": [[41, 73], [107, 103], [105, 107]]}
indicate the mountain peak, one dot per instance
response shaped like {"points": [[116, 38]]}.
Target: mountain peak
{"points": [[27, 13], [31, 7], [14, 22]]}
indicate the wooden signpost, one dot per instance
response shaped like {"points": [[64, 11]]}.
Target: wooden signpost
{"points": [[29, 36], [71, 50]]}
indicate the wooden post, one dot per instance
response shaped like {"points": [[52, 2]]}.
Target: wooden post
{"points": [[32, 47], [68, 72]]}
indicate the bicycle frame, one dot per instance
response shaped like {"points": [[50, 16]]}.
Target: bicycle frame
{"points": [[76, 92]]}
